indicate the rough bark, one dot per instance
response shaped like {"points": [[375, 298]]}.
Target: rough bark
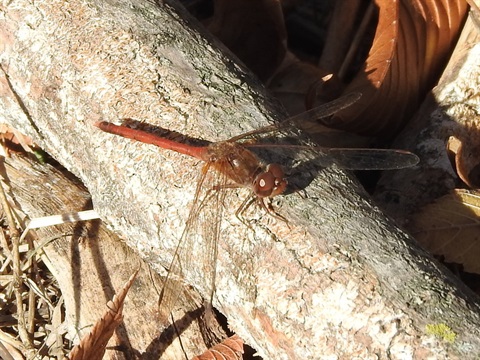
{"points": [[341, 280]]}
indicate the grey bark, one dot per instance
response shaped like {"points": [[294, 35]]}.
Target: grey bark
{"points": [[451, 109], [341, 280]]}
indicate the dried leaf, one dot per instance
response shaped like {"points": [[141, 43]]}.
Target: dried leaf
{"points": [[92, 346], [412, 41], [451, 227], [341, 30], [230, 349], [254, 30], [291, 83], [465, 150]]}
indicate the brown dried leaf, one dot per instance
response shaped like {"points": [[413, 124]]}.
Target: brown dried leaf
{"points": [[451, 227], [291, 83], [230, 349], [254, 30], [465, 150], [341, 30], [93, 345], [412, 41]]}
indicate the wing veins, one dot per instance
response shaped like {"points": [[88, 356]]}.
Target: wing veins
{"points": [[316, 114], [206, 207]]}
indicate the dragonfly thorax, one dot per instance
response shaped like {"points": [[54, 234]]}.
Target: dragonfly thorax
{"points": [[243, 167]]}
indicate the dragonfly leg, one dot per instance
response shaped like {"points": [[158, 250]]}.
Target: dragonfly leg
{"points": [[268, 207], [242, 208]]}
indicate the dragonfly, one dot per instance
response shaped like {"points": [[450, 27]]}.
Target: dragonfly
{"points": [[232, 164]]}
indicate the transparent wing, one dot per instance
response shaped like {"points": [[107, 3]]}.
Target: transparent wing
{"points": [[196, 252], [346, 158], [353, 158], [369, 159], [302, 120]]}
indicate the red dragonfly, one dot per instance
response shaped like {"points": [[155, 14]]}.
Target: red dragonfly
{"points": [[235, 166]]}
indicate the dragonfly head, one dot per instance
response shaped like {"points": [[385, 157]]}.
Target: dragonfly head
{"points": [[271, 182]]}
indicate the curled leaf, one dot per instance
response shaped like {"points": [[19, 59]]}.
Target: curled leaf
{"points": [[466, 157], [230, 349], [412, 42]]}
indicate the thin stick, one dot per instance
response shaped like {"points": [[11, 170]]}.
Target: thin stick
{"points": [[33, 274]]}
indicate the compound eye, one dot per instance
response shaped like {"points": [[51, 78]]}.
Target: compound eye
{"points": [[280, 183], [264, 184], [276, 170]]}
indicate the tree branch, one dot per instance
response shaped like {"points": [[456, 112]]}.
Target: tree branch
{"points": [[343, 280]]}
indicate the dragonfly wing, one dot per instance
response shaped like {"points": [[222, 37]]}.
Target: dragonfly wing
{"points": [[368, 159], [305, 119], [197, 249], [323, 111], [352, 158]]}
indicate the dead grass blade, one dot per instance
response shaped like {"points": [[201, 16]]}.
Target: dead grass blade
{"points": [[25, 326], [10, 348]]}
